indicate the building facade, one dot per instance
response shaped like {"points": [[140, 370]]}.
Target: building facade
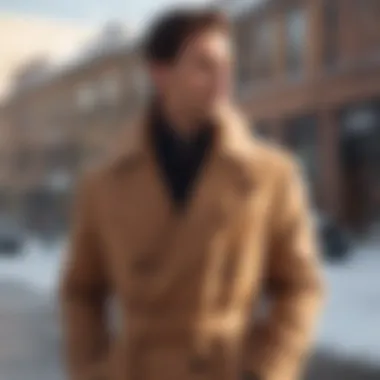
{"points": [[5, 164], [309, 78], [63, 122]]}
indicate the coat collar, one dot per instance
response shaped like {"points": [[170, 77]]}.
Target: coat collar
{"points": [[234, 140]]}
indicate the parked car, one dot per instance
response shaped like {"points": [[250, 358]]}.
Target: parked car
{"points": [[335, 242], [11, 238]]}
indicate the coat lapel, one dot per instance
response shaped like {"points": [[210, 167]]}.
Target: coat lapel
{"points": [[142, 210], [180, 240]]}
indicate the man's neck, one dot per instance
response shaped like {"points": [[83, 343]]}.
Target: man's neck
{"points": [[184, 125]]}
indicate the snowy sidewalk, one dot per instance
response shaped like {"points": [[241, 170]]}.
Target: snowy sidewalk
{"points": [[350, 327], [351, 322], [37, 267]]}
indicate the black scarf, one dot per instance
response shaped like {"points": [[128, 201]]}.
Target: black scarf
{"points": [[180, 159]]}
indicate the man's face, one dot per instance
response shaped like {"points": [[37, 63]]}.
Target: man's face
{"points": [[199, 81]]}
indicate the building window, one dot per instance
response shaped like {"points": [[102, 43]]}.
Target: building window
{"points": [[24, 160], [141, 83], [296, 29], [110, 89], [5, 196], [360, 143], [85, 97], [331, 32], [301, 138], [243, 80], [368, 13], [92, 156], [263, 50], [22, 119], [63, 157]]}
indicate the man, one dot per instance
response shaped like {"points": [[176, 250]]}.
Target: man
{"points": [[186, 228]]}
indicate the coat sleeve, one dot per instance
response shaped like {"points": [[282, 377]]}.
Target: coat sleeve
{"points": [[279, 342], [83, 294]]}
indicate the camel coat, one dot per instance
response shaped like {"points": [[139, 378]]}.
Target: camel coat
{"points": [[188, 285]]}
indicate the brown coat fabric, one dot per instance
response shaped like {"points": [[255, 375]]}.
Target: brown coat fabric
{"points": [[186, 284]]}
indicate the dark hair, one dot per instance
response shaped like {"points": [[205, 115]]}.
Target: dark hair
{"points": [[169, 33]]}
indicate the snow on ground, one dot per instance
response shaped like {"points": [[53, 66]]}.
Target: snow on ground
{"points": [[37, 266], [351, 321], [350, 325]]}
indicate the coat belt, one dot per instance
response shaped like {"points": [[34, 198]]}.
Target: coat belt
{"points": [[166, 326]]}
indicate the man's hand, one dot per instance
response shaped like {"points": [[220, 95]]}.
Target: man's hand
{"points": [[278, 345]]}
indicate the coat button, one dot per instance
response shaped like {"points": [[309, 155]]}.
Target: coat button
{"points": [[246, 185], [145, 266], [247, 375], [198, 364]]}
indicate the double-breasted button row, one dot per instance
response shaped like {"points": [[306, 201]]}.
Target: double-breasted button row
{"points": [[199, 364], [145, 266]]}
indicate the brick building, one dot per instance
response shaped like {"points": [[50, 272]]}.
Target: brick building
{"points": [[309, 77], [5, 163], [62, 121]]}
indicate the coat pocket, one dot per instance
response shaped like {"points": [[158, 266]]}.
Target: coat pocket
{"points": [[173, 363], [98, 371]]}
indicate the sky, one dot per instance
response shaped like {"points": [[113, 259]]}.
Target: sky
{"points": [[56, 29], [25, 38], [133, 12]]}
